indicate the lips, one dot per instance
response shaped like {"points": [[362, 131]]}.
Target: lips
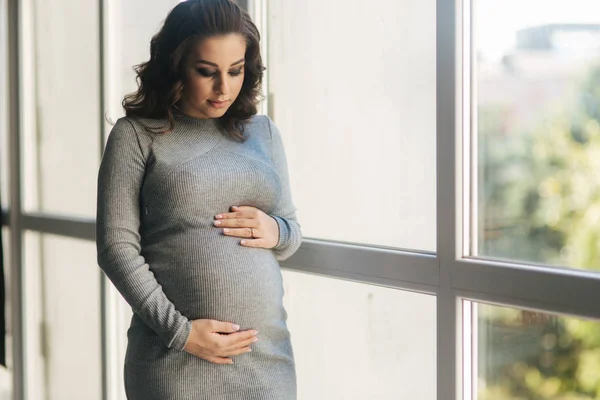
{"points": [[218, 104]]}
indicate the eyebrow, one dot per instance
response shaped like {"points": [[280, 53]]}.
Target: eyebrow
{"points": [[215, 65]]}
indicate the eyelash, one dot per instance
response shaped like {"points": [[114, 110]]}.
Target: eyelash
{"points": [[208, 74]]}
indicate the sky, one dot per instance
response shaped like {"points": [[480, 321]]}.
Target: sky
{"points": [[497, 21]]}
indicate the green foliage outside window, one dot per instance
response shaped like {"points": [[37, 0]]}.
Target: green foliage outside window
{"points": [[540, 202]]}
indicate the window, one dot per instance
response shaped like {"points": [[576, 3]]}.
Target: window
{"points": [[442, 156], [6, 373], [354, 98], [62, 318], [537, 72], [4, 163], [357, 341], [527, 141], [535, 355], [61, 145]]}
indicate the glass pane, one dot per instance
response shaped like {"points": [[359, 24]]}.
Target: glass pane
{"points": [[357, 341], [354, 98], [61, 112], [538, 129], [6, 373], [4, 163], [528, 355], [62, 310], [138, 21], [123, 320]]}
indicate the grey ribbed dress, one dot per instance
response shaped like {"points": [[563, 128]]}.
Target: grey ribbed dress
{"points": [[157, 198]]}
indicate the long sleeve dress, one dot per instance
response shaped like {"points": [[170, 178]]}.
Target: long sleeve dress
{"points": [[157, 198]]}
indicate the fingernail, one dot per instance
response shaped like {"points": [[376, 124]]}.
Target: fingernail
{"points": [[255, 339], [248, 351], [236, 327], [219, 216], [217, 222], [226, 230], [243, 242]]}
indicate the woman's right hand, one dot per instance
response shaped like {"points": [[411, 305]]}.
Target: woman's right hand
{"points": [[207, 341]]}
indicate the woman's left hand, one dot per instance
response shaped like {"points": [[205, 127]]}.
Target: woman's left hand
{"points": [[257, 228]]}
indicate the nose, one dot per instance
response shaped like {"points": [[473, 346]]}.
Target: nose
{"points": [[222, 86]]}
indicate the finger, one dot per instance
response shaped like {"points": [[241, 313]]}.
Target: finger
{"points": [[220, 326], [238, 212], [237, 352], [239, 232], [242, 344], [253, 242], [219, 360], [247, 342], [233, 340], [236, 223], [230, 215], [239, 223], [247, 210]]}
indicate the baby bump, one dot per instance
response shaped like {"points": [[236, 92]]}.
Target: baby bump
{"points": [[221, 280]]}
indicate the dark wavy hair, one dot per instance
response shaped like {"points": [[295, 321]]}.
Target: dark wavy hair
{"points": [[160, 79]]}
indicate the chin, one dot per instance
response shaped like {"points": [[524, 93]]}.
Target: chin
{"points": [[219, 113]]}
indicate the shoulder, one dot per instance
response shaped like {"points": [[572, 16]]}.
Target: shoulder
{"points": [[138, 124], [128, 125], [259, 121], [122, 130], [141, 125], [262, 125], [128, 131], [122, 124]]}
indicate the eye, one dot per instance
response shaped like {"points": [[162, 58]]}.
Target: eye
{"points": [[205, 72], [236, 73]]}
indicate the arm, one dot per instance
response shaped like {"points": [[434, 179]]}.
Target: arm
{"points": [[118, 241], [290, 234]]}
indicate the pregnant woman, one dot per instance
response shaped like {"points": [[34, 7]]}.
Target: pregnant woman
{"points": [[194, 214]]}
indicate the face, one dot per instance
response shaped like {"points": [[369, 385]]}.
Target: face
{"points": [[214, 73]]}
